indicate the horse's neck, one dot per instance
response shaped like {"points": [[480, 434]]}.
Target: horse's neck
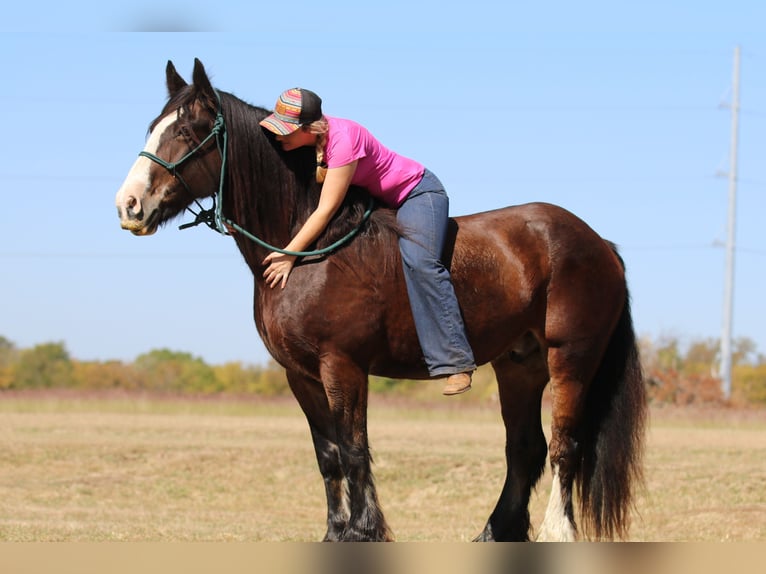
{"points": [[270, 233], [270, 219], [264, 194]]}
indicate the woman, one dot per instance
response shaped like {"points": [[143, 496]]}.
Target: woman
{"points": [[348, 154]]}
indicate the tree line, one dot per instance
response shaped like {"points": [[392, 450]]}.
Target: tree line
{"points": [[50, 366], [674, 373], [682, 375]]}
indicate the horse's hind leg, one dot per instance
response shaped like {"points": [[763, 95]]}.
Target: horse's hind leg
{"points": [[520, 386], [571, 366], [311, 397]]}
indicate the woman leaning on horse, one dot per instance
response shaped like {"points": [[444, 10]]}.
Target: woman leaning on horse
{"points": [[348, 154]]}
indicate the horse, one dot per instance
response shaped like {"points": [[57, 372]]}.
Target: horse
{"points": [[544, 299]]}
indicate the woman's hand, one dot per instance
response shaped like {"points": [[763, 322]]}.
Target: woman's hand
{"points": [[333, 191], [279, 267]]}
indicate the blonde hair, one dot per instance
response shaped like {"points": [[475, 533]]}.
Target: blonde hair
{"points": [[320, 128]]}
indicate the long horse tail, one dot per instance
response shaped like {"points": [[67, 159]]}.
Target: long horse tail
{"points": [[612, 446]]}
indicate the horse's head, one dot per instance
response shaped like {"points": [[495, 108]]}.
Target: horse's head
{"points": [[181, 161]]}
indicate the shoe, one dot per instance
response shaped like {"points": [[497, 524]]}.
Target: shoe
{"points": [[457, 384]]}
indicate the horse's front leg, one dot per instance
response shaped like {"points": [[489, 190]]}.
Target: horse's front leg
{"points": [[346, 388], [313, 401]]}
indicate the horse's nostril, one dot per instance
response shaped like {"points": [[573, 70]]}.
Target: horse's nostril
{"points": [[133, 208]]}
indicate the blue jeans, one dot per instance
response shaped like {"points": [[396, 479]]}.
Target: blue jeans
{"points": [[424, 219]]}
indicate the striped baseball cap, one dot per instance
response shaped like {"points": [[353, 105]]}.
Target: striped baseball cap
{"points": [[295, 107]]}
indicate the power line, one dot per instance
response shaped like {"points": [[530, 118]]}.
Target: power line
{"points": [[85, 255], [57, 177], [688, 247]]}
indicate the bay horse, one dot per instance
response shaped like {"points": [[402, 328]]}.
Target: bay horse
{"points": [[544, 299]]}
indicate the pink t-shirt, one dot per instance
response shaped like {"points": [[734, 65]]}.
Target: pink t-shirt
{"points": [[387, 175]]}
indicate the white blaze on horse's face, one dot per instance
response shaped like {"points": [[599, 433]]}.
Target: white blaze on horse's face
{"points": [[137, 204]]}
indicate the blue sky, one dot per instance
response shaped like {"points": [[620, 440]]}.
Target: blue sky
{"points": [[610, 109]]}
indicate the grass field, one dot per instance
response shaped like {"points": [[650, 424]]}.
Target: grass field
{"points": [[139, 469]]}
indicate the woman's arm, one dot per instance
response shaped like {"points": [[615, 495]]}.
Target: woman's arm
{"points": [[333, 192]]}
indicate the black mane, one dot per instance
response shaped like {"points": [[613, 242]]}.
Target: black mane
{"points": [[274, 191]]}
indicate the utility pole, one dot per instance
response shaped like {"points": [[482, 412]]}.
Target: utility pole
{"points": [[728, 302]]}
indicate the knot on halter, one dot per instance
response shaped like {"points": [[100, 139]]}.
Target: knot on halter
{"points": [[219, 124], [203, 216]]}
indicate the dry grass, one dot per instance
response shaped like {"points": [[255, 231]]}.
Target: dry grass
{"points": [[145, 470]]}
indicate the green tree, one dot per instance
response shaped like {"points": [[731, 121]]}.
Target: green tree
{"points": [[668, 354], [93, 375], [234, 377], [749, 383], [744, 351], [172, 371], [271, 380], [43, 367], [701, 357], [9, 356]]}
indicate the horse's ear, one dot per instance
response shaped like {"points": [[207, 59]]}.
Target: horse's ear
{"points": [[202, 84], [174, 81]]}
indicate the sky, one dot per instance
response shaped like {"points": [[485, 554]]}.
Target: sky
{"points": [[617, 111]]}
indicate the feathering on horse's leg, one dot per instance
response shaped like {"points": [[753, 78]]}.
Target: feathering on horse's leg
{"points": [[336, 488], [570, 370], [346, 387], [312, 400]]}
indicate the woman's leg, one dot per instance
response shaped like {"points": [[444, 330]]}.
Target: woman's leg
{"points": [[439, 324]]}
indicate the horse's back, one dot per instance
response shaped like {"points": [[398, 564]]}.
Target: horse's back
{"points": [[541, 238], [543, 221], [534, 268]]}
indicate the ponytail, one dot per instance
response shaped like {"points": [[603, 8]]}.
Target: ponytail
{"points": [[320, 128]]}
